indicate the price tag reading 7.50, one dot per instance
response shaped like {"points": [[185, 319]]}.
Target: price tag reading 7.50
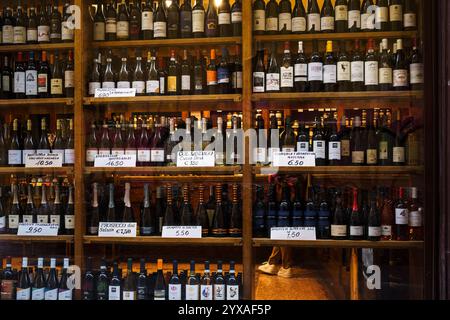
{"points": [[117, 229], [296, 233], [186, 232]]}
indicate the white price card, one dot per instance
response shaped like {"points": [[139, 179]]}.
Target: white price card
{"points": [[115, 93], [293, 233], [38, 229], [115, 161], [183, 232], [294, 159], [186, 159], [117, 229], [49, 160]]}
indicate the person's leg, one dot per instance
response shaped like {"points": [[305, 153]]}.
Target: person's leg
{"points": [[270, 266], [275, 255], [286, 262]]}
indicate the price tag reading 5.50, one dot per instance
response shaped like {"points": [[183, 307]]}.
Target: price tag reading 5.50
{"points": [[184, 232], [37, 229], [297, 233]]}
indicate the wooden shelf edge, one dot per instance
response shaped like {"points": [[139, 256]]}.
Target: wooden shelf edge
{"points": [[14, 238], [166, 99], [261, 242], [168, 42], [231, 170], [163, 241], [31, 102], [8, 170], [362, 170], [37, 47]]}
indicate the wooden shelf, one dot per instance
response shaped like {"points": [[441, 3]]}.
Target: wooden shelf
{"points": [[32, 171], [191, 42], [344, 170], [36, 47], [261, 242], [336, 36], [158, 241], [32, 102], [14, 238], [226, 170]]}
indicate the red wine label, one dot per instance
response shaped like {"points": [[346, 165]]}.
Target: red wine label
{"points": [[381, 14], [314, 21], [386, 230], [400, 78], [224, 18], [298, 24], [383, 150], [272, 24], [111, 25], [284, 21], [334, 150], [287, 77], [374, 231], [356, 231], [69, 156], [395, 12], [401, 216], [358, 157], [198, 21], [398, 154], [385, 75], [20, 35], [8, 288], [147, 20], [273, 81], [329, 73], [114, 293], [343, 71], [19, 82], [56, 86], [67, 31], [259, 20], [319, 149], [409, 20], [128, 295], [315, 71], [8, 34], [43, 33], [69, 79], [327, 23], [99, 31], [123, 29], [416, 73], [160, 29], [357, 71]]}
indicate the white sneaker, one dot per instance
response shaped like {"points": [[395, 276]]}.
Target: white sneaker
{"points": [[285, 273], [268, 268]]}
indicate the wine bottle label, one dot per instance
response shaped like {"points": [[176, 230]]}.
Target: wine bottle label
{"points": [[272, 24], [211, 77], [69, 156], [259, 155], [92, 87], [258, 81], [219, 292], [162, 85], [42, 218], [329, 73], [366, 22], [160, 29], [111, 25], [416, 73], [395, 12], [400, 78], [371, 155], [315, 71], [172, 84], [285, 21], [2, 223], [192, 292], [287, 77], [186, 82], [99, 31], [7, 289], [232, 292], [302, 146], [314, 21], [381, 15], [117, 151], [123, 29], [65, 294], [385, 75], [6, 83], [8, 34], [90, 154], [56, 86], [236, 17], [42, 83], [13, 221], [398, 155], [20, 35], [383, 150], [19, 82], [354, 17], [386, 230], [43, 33], [139, 86], [401, 216], [415, 219], [371, 73], [340, 13], [319, 149], [37, 293], [374, 231], [345, 148], [343, 71], [334, 150], [288, 149], [259, 20], [27, 218], [358, 157], [147, 21], [14, 157], [123, 84], [31, 83], [338, 230], [51, 294], [23, 293], [131, 152], [273, 81], [55, 219], [93, 230], [108, 85], [236, 79], [198, 21], [356, 230], [301, 72], [206, 292], [224, 18], [69, 221], [157, 155], [43, 151], [67, 31], [143, 155], [327, 23], [114, 293], [128, 295], [69, 79], [186, 22], [223, 75], [152, 86], [409, 20], [174, 291], [298, 24]]}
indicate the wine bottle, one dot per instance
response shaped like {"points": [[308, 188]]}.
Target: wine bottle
{"points": [[114, 289], [52, 284], [110, 23], [148, 219], [111, 213], [147, 20], [235, 228], [299, 18], [319, 144], [174, 286], [224, 19], [273, 73], [366, 13], [169, 217], [387, 217], [56, 82], [69, 214], [374, 221], [160, 22], [31, 77], [88, 287], [141, 282], [128, 215], [401, 217], [232, 284], [198, 19], [382, 15], [69, 76], [19, 77], [55, 25], [314, 18], [371, 80], [286, 71], [186, 19], [14, 150], [334, 145], [123, 23], [143, 148], [285, 17], [173, 78], [272, 12], [236, 18], [69, 147], [94, 79], [94, 211], [259, 214], [138, 78], [123, 80], [101, 284], [341, 23], [56, 211], [343, 69], [415, 217], [211, 73], [287, 137], [409, 15], [99, 23], [23, 290], [396, 15], [303, 139], [185, 74], [400, 71], [67, 32], [8, 282], [398, 148], [64, 292], [300, 70], [259, 75], [211, 21], [44, 209], [385, 67], [192, 284], [356, 223], [59, 143], [329, 69], [173, 20], [416, 70], [354, 15], [284, 207], [357, 144], [160, 283], [259, 17], [152, 81], [39, 283], [315, 69], [7, 79], [218, 223], [135, 21], [19, 29], [29, 216], [327, 17], [236, 74], [339, 223], [43, 27], [129, 283], [118, 145], [186, 210]]}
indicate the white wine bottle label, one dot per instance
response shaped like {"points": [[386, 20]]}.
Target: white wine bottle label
{"points": [[381, 15], [139, 86], [108, 85], [31, 82], [206, 292], [334, 150], [329, 73], [398, 155], [147, 21], [14, 157], [117, 151], [232, 292], [27, 218], [69, 79], [371, 73], [301, 72], [236, 17], [192, 292], [224, 18], [395, 12], [20, 35], [157, 155], [128, 295], [123, 29], [259, 20], [272, 24], [111, 25], [356, 230], [400, 78], [90, 155], [55, 219], [302, 146], [13, 221], [198, 21], [51, 294], [340, 12], [343, 71], [288, 149], [357, 71], [43, 33], [67, 31], [160, 29], [366, 22], [42, 218], [123, 84], [358, 157], [338, 230], [92, 87], [185, 82], [152, 86], [374, 231], [56, 86], [385, 75], [259, 155], [314, 21], [327, 23], [219, 292], [287, 77], [345, 148], [6, 83], [131, 152], [114, 293], [99, 31], [258, 82], [65, 294], [371, 155], [104, 152], [315, 71], [143, 155], [386, 230], [298, 24], [37, 293], [401, 216], [416, 73], [383, 150], [174, 291], [23, 294], [319, 149], [285, 21], [19, 82], [354, 16], [69, 156], [8, 34], [273, 81], [2, 222], [43, 151], [69, 221], [409, 20], [415, 219]]}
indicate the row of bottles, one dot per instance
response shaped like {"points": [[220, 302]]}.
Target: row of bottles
{"points": [[344, 16], [39, 200], [37, 283], [22, 139], [174, 285], [339, 71], [340, 213], [220, 216], [166, 20], [44, 23], [37, 75]]}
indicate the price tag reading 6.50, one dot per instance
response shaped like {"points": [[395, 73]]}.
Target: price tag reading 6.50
{"points": [[184, 232]]}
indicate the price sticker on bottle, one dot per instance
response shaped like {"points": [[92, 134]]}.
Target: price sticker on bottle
{"points": [[115, 161], [182, 232], [293, 233], [49, 160], [117, 229], [186, 159], [293, 159], [115, 92], [38, 229]]}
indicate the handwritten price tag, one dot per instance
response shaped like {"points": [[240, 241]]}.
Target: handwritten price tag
{"points": [[297, 233], [115, 93], [50, 160], [187, 159], [182, 232], [117, 229], [294, 159], [38, 229], [110, 161]]}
